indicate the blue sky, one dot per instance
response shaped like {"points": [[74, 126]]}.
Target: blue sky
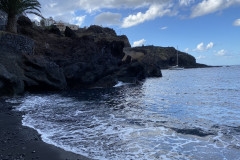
{"points": [[207, 29]]}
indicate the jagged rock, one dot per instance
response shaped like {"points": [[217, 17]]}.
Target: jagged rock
{"points": [[107, 82], [74, 73], [99, 29], [92, 58], [131, 73], [16, 43], [138, 71], [69, 33], [22, 72], [125, 40], [42, 75], [128, 59], [9, 83]]}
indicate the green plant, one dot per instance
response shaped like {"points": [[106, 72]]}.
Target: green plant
{"points": [[15, 7]]}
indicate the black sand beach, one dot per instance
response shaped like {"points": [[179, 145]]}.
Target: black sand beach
{"points": [[18, 142]]}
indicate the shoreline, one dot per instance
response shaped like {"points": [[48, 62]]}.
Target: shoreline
{"points": [[24, 143]]}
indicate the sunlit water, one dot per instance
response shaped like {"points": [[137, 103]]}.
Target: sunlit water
{"points": [[187, 114]]}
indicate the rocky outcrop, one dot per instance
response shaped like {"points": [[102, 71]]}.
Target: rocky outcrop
{"points": [[16, 43], [41, 74], [69, 33], [163, 56], [21, 70], [55, 30], [100, 33], [137, 71], [42, 60], [9, 83]]}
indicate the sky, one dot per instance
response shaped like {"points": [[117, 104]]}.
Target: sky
{"points": [[207, 29]]}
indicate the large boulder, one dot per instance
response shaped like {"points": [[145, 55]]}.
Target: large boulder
{"points": [[124, 38], [74, 74], [107, 82], [10, 84], [137, 71], [42, 75], [55, 30], [69, 33], [16, 43], [21, 70]]}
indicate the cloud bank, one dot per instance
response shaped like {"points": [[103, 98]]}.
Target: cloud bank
{"points": [[210, 6], [150, 10], [108, 18]]}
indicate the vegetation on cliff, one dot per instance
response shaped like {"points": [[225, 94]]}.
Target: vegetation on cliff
{"points": [[16, 7]]}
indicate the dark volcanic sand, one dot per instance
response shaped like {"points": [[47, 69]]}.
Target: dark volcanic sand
{"points": [[18, 142]]}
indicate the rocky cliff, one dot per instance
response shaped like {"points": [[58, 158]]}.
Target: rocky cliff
{"points": [[46, 59], [43, 59]]}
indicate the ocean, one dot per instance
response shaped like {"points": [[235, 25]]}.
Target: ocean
{"points": [[186, 114]]}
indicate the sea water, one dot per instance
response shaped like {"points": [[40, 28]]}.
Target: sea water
{"points": [[186, 114]]}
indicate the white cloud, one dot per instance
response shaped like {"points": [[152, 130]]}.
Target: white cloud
{"points": [[54, 7], [236, 22], [201, 57], [108, 18], [68, 10], [163, 28], [187, 50], [185, 2], [201, 47], [70, 18], [153, 12], [210, 45], [52, 4], [211, 6], [139, 43], [221, 53], [79, 20]]}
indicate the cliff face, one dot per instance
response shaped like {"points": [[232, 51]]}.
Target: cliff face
{"points": [[22, 70], [163, 56], [46, 59]]}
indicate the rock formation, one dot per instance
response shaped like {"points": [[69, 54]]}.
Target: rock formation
{"points": [[40, 59], [163, 56]]}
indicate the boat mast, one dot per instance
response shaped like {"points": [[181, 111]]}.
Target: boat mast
{"points": [[177, 56]]}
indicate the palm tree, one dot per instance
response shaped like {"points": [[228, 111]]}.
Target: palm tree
{"points": [[15, 7]]}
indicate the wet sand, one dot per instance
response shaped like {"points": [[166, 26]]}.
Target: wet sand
{"points": [[18, 142]]}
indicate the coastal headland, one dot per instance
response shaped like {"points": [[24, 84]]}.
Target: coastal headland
{"points": [[45, 59]]}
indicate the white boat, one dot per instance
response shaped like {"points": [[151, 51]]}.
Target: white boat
{"points": [[176, 67]]}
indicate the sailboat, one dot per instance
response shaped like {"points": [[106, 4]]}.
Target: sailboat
{"points": [[176, 67]]}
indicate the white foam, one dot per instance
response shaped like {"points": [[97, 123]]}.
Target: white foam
{"points": [[119, 84], [96, 131]]}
